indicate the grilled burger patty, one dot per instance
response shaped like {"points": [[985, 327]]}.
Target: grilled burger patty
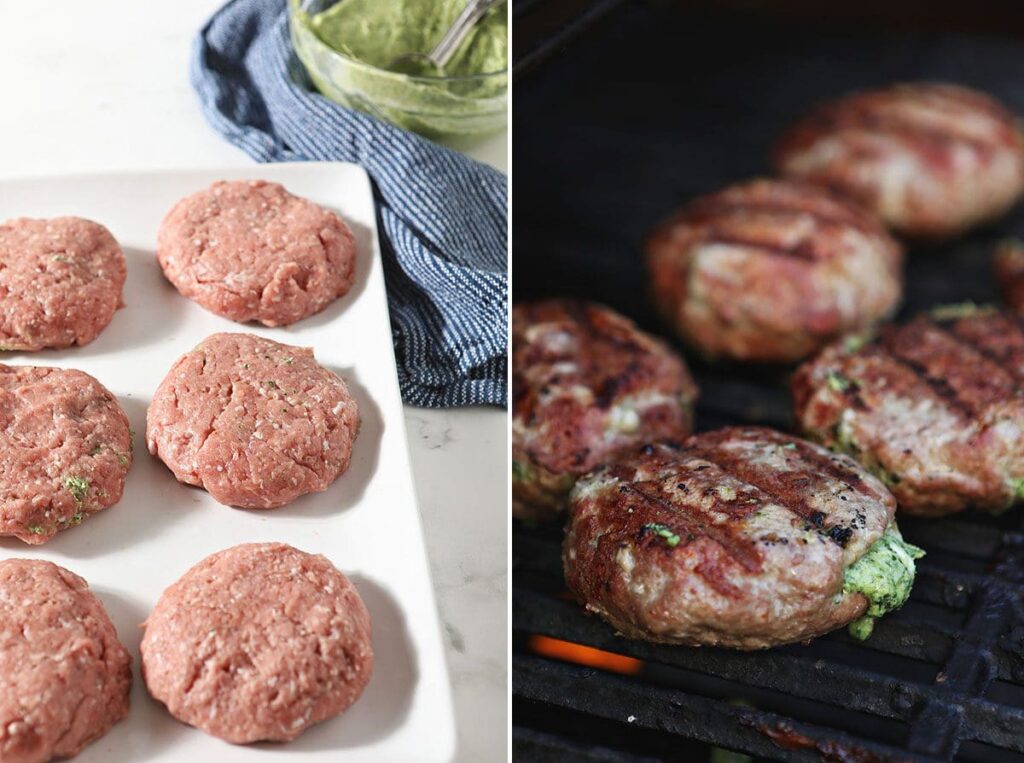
{"points": [[769, 270], [586, 383], [935, 408], [743, 537], [931, 159]]}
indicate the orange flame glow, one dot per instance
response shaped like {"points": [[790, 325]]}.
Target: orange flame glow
{"points": [[584, 655]]}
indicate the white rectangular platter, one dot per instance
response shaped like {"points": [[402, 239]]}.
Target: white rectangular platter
{"points": [[366, 523]]}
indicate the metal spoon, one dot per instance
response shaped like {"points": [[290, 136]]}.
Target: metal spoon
{"points": [[433, 63]]}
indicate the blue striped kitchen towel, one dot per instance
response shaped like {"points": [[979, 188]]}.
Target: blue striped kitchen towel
{"points": [[442, 215]]}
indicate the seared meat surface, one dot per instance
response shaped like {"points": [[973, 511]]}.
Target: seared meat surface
{"points": [[930, 159], [740, 537], [934, 407], [586, 383], [770, 270]]}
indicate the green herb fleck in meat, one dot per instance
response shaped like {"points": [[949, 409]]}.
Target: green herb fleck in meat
{"points": [[959, 310], [843, 435], [36, 529], [78, 486], [75, 519], [891, 479], [122, 458], [288, 361], [838, 382], [271, 384], [96, 450], [60, 258], [854, 342], [885, 575], [1017, 485], [520, 471], [671, 538]]}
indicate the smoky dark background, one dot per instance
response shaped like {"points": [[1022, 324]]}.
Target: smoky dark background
{"points": [[624, 110]]}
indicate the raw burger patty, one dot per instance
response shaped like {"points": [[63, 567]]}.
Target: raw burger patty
{"points": [[65, 448], [934, 407], [64, 676], [60, 282], [251, 251], [930, 159], [254, 422], [258, 642], [739, 537], [586, 383]]}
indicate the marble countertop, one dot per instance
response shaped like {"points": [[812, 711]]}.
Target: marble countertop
{"points": [[102, 86]]}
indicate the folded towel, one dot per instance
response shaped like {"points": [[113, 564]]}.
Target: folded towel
{"points": [[442, 215]]}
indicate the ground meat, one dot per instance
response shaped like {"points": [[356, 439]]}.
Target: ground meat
{"points": [[64, 676], [60, 282], [254, 422], [586, 383], [65, 449], [251, 251], [738, 537], [935, 407], [771, 271], [930, 159], [258, 642]]}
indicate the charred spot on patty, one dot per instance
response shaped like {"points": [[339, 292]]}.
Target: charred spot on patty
{"points": [[840, 535]]}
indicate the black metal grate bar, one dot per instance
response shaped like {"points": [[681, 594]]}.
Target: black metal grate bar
{"points": [[714, 721], [911, 687]]}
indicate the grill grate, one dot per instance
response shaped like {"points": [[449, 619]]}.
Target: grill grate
{"points": [[603, 149], [947, 668], [943, 676]]}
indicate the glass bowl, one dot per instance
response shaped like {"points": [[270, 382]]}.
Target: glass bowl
{"points": [[441, 108]]}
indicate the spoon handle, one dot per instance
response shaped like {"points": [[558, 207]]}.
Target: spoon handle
{"points": [[452, 39]]}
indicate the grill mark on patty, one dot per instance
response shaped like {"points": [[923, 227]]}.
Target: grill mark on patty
{"points": [[726, 535], [583, 359], [804, 249], [940, 388], [971, 393], [606, 387], [599, 331], [991, 338], [876, 115], [707, 211], [832, 466], [988, 353], [786, 488]]}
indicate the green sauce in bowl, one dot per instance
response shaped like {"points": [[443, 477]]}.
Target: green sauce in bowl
{"points": [[345, 46]]}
